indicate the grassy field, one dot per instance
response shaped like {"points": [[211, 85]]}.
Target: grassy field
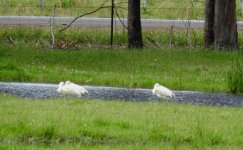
{"points": [[84, 57], [178, 69], [77, 37], [73, 123], [166, 9], [154, 8], [89, 60]]}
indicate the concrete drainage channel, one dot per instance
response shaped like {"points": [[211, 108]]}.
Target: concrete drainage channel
{"points": [[45, 91]]}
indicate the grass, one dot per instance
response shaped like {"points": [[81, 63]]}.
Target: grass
{"points": [[154, 9], [96, 124], [112, 124], [179, 69], [84, 57], [235, 77], [166, 9], [74, 38]]}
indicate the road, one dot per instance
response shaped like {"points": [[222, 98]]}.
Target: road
{"points": [[46, 91], [101, 22]]}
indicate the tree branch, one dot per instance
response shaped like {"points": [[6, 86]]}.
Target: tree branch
{"points": [[121, 20], [101, 7]]}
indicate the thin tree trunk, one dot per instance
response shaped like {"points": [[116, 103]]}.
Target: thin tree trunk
{"points": [[144, 3], [42, 3], [134, 25], [226, 36], [209, 23], [241, 7]]}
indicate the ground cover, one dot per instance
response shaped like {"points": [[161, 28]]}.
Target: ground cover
{"points": [[73, 123]]}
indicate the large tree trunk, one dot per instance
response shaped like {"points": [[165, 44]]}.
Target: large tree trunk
{"points": [[134, 25], [226, 37], [209, 23]]}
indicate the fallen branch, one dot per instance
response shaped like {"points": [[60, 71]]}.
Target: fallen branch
{"points": [[9, 38], [171, 36], [153, 41]]}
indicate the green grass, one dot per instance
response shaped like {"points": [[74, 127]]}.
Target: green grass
{"points": [[83, 56], [155, 9], [178, 68], [166, 9], [74, 38], [74, 123], [235, 77]]}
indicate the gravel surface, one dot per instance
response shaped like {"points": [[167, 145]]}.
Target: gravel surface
{"points": [[45, 91]]}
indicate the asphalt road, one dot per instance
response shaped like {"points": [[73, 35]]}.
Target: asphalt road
{"points": [[101, 22], [46, 91]]}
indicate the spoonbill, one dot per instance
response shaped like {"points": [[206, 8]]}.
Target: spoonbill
{"points": [[81, 89], [60, 87], [162, 92], [69, 88]]}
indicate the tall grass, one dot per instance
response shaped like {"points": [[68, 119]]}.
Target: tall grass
{"points": [[235, 77], [165, 9], [118, 124], [75, 38], [154, 9]]}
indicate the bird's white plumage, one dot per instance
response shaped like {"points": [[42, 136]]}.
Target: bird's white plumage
{"points": [[61, 84], [162, 92], [69, 88], [81, 89]]}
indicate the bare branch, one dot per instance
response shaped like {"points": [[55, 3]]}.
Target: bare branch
{"points": [[9, 38], [52, 24], [153, 41], [121, 3], [171, 36], [121, 20], [101, 7], [121, 7]]}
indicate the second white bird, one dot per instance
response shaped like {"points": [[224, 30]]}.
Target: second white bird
{"points": [[162, 92], [71, 89]]}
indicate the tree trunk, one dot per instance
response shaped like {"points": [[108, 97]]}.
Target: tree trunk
{"points": [[42, 3], [134, 25], [209, 23], [144, 3], [225, 31], [241, 7]]}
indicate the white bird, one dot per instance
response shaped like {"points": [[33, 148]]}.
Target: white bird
{"points": [[60, 87], [71, 89], [162, 92], [81, 89]]}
